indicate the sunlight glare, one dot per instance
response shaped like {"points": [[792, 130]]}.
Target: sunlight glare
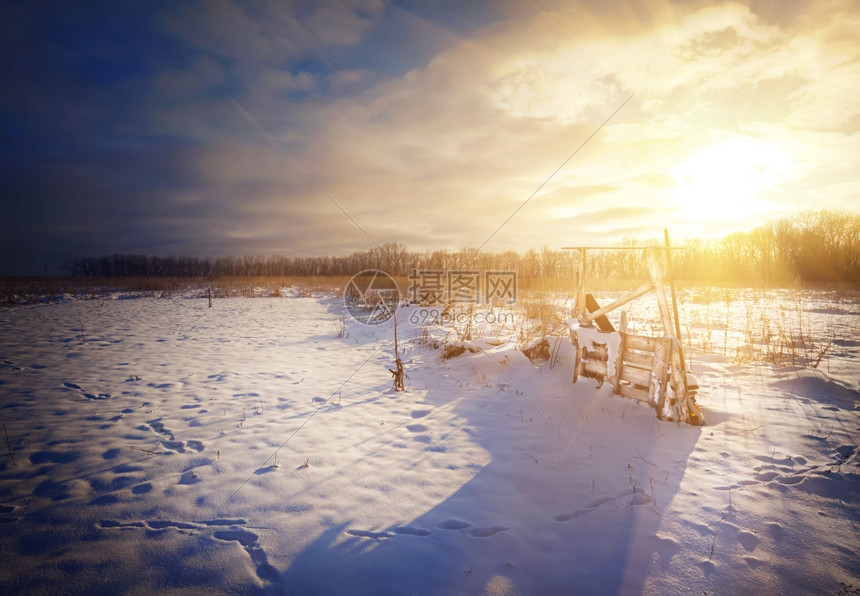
{"points": [[723, 181]]}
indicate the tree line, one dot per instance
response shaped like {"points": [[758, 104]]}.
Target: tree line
{"points": [[814, 246]]}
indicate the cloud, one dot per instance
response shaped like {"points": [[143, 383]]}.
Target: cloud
{"points": [[273, 32], [203, 73], [349, 79], [425, 130]]}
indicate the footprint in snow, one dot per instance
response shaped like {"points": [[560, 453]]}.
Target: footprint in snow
{"points": [[790, 479], [4, 511], [636, 499], [565, 517], [250, 542], [141, 489], [766, 476], [748, 540], [158, 427], [75, 387], [177, 446], [487, 532], [410, 531], [195, 445], [368, 534], [454, 524], [845, 451]]}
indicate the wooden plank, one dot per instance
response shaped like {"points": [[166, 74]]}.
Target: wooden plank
{"points": [[598, 353], [634, 393], [639, 359], [692, 382], [641, 343], [590, 367], [636, 376]]}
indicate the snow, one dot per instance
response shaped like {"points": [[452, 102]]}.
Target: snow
{"points": [[161, 446], [588, 336]]}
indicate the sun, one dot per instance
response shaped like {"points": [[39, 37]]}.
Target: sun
{"points": [[724, 181]]}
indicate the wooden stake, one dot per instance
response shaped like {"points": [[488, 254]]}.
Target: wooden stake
{"points": [[581, 311], [671, 275], [398, 373]]}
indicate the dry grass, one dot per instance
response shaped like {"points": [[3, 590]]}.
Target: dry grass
{"points": [[760, 331], [20, 290]]}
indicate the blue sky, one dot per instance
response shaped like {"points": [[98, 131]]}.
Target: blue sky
{"points": [[429, 123]]}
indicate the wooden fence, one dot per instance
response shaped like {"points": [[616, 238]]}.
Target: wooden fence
{"points": [[652, 370]]}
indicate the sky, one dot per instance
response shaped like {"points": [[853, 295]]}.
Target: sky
{"points": [[150, 127]]}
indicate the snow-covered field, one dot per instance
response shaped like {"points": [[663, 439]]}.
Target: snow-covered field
{"points": [[161, 446]]}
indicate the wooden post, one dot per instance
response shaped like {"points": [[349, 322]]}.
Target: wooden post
{"points": [[665, 317], [398, 372], [577, 359], [209, 294], [682, 400], [671, 275], [581, 310], [660, 370], [619, 362]]}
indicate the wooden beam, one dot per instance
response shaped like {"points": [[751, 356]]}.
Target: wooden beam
{"points": [[619, 361], [662, 357], [581, 310], [640, 291], [662, 304], [616, 247], [670, 272]]}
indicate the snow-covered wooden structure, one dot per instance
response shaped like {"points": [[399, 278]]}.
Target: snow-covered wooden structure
{"points": [[649, 369]]}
